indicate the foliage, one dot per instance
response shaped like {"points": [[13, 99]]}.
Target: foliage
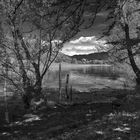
{"points": [[34, 33], [124, 32], [116, 28]]}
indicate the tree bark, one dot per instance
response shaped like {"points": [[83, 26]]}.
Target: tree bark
{"points": [[38, 84], [30, 92], [38, 88], [130, 55], [27, 96]]}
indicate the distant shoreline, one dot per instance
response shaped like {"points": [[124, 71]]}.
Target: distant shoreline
{"points": [[68, 65]]}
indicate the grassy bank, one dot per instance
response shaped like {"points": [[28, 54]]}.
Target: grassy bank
{"points": [[71, 121]]}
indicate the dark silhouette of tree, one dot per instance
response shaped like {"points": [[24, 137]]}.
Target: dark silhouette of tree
{"points": [[34, 32], [124, 32]]}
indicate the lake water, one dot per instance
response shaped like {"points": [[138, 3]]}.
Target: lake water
{"points": [[87, 77]]}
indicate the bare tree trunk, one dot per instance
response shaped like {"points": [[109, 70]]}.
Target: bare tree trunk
{"points": [[71, 93], [38, 84], [27, 96], [60, 96], [38, 88], [130, 55], [30, 92], [67, 86]]}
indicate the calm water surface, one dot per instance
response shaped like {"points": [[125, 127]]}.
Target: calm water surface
{"points": [[87, 77]]}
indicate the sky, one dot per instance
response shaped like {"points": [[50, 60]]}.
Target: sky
{"points": [[84, 45], [87, 40]]}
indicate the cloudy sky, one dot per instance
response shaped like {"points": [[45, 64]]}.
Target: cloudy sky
{"points": [[87, 41], [84, 45]]}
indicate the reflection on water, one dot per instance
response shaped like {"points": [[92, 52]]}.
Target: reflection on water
{"points": [[98, 71], [85, 77]]}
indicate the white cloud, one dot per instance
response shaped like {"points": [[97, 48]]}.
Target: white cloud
{"points": [[83, 39], [70, 53], [84, 48], [84, 45]]}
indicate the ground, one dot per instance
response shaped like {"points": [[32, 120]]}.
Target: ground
{"points": [[101, 115]]}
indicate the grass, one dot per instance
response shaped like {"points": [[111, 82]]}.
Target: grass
{"points": [[90, 116], [113, 126]]}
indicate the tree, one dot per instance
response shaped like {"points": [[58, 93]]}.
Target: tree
{"points": [[124, 32], [34, 33]]}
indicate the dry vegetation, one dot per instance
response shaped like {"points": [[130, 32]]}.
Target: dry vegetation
{"points": [[106, 114]]}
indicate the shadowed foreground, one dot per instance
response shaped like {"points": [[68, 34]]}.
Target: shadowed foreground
{"points": [[104, 116]]}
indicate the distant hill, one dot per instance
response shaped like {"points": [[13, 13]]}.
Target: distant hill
{"points": [[63, 58], [92, 56]]}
